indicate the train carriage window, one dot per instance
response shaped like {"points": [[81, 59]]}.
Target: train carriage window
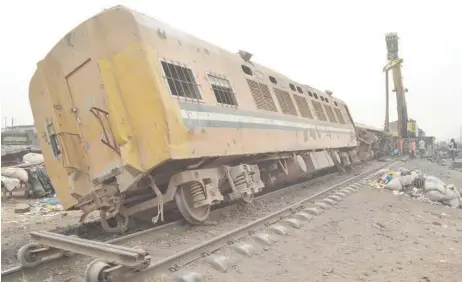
{"points": [[246, 70], [273, 80], [286, 103], [292, 87], [299, 89], [181, 81], [222, 89]]}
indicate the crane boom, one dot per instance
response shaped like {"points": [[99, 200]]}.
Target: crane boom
{"points": [[394, 64]]}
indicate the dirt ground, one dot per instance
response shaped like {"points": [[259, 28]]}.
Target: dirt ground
{"points": [[16, 226], [372, 235]]}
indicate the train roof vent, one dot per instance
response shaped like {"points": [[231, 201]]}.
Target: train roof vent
{"points": [[328, 92], [246, 56]]}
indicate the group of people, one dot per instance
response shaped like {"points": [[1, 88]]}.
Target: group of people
{"points": [[412, 147], [452, 146]]}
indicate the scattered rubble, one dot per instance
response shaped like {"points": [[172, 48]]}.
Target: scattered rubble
{"points": [[426, 188], [21, 208], [46, 206]]}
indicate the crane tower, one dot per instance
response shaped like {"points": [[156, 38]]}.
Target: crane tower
{"points": [[394, 64]]}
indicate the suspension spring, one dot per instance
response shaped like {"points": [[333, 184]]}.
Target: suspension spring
{"points": [[240, 181], [197, 192]]}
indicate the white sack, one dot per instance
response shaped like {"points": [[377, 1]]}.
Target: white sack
{"points": [[434, 183], [32, 158], [15, 172], [403, 170], [434, 195], [10, 183], [394, 184], [406, 180]]}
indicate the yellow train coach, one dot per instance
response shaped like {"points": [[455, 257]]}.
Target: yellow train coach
{"points": [[135, 117]]}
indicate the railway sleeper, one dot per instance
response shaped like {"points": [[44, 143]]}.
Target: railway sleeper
{"points": [[111, 261]]}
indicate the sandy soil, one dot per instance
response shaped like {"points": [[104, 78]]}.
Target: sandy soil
{"points": [[370, 236], [176, 239], [16, 227]]}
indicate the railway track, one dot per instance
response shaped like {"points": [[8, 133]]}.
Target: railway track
{"points": [[93, 230], [175, 245]]}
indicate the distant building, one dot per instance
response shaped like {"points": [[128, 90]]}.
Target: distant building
{"points": [[20, 135], [412, 129], [19, 128], [17, 141], [422, 133]]}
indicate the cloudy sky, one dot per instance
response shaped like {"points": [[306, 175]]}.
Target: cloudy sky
{"points": [[337, 45]]}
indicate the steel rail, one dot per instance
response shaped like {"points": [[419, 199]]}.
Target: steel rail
{"points": [[191, 254], [176, 223], [181, 222]]}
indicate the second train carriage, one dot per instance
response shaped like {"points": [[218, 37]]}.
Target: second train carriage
{"points": [[134, 115]]}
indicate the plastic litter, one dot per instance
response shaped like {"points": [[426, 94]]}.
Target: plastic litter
{"points": [[46, 206]]}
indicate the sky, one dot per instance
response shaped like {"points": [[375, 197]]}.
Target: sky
{"points": [[336, 45]]}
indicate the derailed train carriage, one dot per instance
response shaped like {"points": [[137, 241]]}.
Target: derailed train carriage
{"points": [[373, 142], [135, 117]]}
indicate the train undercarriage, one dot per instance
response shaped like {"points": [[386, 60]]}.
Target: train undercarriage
{"points": [[203, 183]]}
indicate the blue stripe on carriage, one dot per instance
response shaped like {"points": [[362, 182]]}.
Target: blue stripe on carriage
{"points": [[232, 124]]}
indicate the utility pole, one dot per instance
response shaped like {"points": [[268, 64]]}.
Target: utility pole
{"points": [[387, 105]]}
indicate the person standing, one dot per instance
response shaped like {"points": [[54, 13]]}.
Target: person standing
{"points": [[399, 145], [412, 148], [421, 148], [452, 149]]}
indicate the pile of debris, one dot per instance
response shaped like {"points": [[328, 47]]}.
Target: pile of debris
{"points": [[45, 207], [426, 188], [29, 176]]}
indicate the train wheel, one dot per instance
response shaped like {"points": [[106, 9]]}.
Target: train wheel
{"points": [[185, 198], [28, 259], [94, 271]]}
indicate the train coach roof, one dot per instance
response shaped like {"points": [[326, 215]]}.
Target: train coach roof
{"points": [[368, 127], [151, 23]]}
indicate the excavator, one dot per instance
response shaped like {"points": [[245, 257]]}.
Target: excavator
{"points": [[404, 127]]}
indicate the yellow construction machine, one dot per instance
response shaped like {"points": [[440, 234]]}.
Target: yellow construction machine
{"points": [[404, 127]]}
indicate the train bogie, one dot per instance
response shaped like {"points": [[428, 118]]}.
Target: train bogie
{"points": [[134, 115]]}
